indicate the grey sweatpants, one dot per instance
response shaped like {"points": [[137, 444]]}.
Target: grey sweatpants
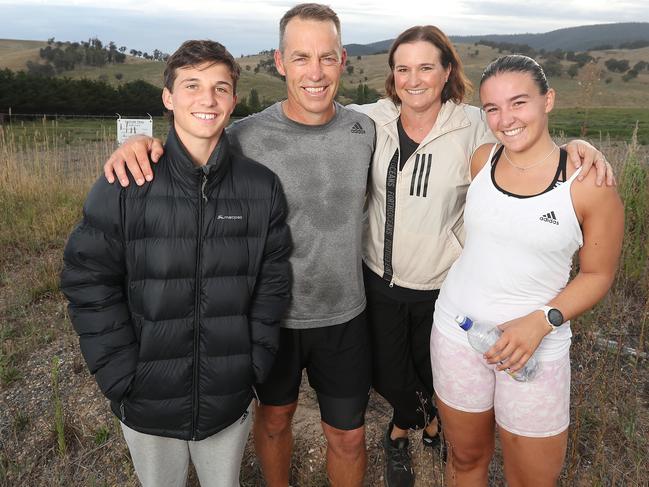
{"points": [[163, 462]]}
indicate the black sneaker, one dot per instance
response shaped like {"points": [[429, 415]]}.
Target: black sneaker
{"points": [[435, 441], [431, 441], [398, 470]]}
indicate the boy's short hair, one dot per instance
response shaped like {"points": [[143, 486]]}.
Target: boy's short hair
{"points": [[194, 53]]}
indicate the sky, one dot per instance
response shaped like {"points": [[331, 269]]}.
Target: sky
{"points": [[249, 26]]}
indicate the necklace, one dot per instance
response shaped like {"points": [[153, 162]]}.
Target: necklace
{"points": [[525, 168], [418, 128]]}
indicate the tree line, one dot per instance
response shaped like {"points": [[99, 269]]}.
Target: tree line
{"points": [[551, 60], [28, 93], [25, 92], [360, 95], [59, 57]]}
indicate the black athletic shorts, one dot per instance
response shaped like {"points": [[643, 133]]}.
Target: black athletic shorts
{"points": [[339, 367]]}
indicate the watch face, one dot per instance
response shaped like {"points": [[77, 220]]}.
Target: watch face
{"points": [[555, 317]]}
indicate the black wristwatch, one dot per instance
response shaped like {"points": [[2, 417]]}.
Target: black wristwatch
{"points": [[553, 316]]}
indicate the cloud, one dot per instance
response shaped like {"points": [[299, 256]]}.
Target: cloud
{"points": [[248, 26], [568, 12], [157, 29]]}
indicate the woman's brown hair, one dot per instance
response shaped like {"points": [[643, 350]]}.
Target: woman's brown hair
{"points": [[458, 85]]}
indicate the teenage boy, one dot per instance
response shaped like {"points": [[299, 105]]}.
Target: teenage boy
{"points": [[176, 288]]}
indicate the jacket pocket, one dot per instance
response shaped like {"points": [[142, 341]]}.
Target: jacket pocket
{"points": [[454, 243]]}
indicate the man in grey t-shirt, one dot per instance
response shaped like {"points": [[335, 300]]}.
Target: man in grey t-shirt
{"points": [[321, 153]]}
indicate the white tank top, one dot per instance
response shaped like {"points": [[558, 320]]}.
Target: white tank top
{"points": [[517, 257]]}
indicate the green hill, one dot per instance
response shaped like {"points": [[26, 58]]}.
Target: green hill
{"points": [[569, 39], [591, 87], [573, 38], [14, 54]]}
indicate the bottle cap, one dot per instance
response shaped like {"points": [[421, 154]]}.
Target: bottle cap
{"points": [[464, 321]]}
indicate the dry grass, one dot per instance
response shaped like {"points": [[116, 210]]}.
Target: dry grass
{"points": [[43, 181], [14, 54]]}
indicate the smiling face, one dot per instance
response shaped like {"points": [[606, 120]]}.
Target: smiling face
{"points": [[517, 112], [202, 101], [419, 76], [312, 61]]}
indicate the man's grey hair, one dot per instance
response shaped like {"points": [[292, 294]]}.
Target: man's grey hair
{"points": [[309, 11]]}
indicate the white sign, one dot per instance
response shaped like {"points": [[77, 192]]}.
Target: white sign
{"points": [[127, 127]]}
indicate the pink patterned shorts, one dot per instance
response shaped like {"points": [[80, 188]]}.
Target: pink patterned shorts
{"points": [[463, 380]]}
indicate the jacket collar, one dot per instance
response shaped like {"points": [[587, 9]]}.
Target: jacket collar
{"points": [[178, 157], [450, 117]]}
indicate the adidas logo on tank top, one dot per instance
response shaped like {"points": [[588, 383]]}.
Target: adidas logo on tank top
{"points": [[550, 218]]}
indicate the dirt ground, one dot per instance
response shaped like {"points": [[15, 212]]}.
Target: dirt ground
{"points": [[97, 455]]}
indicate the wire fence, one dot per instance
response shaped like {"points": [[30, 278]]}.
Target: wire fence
{"points": [[75, 129], [71, 129], [7, 116]]}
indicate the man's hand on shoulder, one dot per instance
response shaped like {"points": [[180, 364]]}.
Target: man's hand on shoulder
{"points": [[134, 154]]}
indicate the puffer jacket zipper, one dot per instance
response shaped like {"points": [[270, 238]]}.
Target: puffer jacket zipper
{"points": [[202, 199]]}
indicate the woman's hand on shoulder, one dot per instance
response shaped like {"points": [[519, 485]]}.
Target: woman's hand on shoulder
{"points": [[480, 158], [582, 154], [520, 339]]}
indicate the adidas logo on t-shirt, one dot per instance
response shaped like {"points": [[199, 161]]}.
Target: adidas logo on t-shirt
{"points": [[357, 129], [550, 218]]}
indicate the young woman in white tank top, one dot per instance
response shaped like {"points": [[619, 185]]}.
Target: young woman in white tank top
{"points": [[524, 220]]}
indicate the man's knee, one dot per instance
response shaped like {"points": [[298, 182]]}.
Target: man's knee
{"points": [[349, 443], [274, 420]]}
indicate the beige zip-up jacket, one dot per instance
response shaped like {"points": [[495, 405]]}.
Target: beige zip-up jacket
{"points": [[414, 226]]}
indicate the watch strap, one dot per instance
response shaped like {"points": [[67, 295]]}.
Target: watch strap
{"points": [[546, 310]]}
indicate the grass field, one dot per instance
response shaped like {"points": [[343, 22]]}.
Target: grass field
{"points": [[14, 54], [70, 131], [55, 427], [598, 124], [595, 124]]}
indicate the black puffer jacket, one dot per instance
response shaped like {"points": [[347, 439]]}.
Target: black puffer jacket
{"points": [[177, 287]]}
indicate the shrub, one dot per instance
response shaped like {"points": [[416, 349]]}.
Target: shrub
{"points": [[617, 66]]}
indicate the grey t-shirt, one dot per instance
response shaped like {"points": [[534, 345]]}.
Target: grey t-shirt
{"points": [[323, 170]]}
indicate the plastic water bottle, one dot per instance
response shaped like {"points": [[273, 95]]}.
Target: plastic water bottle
{"points": [[482, 337]]}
